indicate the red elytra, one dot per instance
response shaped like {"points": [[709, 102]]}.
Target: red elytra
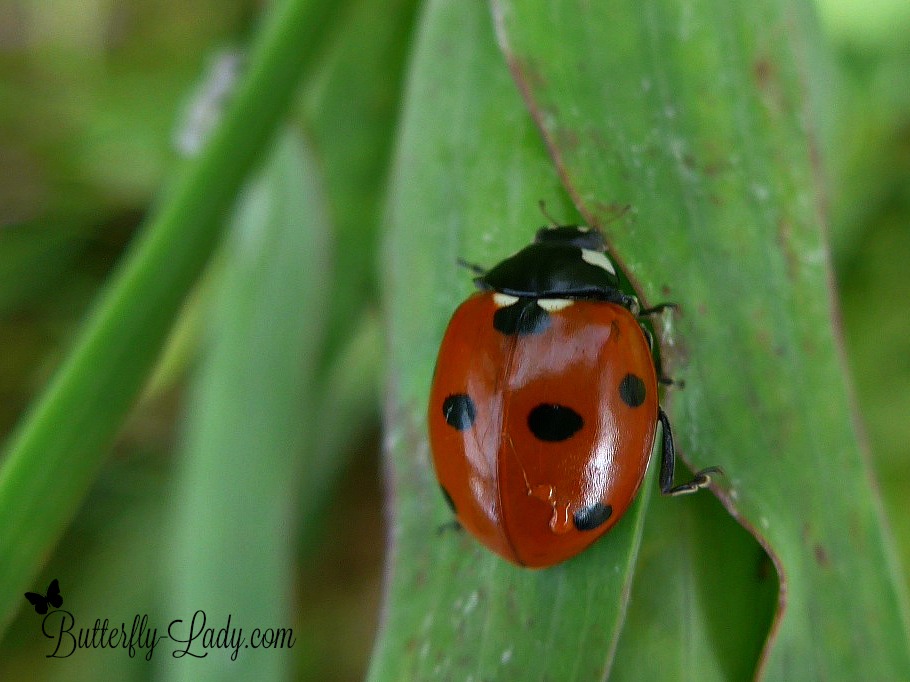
{"points": [[544, 405]]}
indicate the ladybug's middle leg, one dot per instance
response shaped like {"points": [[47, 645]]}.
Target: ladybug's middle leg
{"points": [[662, 378], [668, 465]]}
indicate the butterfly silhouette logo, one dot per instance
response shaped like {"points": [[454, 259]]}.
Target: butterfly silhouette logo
{"points": [[41, 601]]}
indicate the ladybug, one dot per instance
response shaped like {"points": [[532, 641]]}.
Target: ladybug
{"points": [[544, 407]]}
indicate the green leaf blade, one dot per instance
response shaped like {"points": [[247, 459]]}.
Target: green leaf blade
{"points": [[470, 169], [234, 509], [707, 124]]}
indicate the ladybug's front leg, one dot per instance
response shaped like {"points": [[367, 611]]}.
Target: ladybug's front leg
{"points": [[656, 310], [668, 465], [665, 380]]}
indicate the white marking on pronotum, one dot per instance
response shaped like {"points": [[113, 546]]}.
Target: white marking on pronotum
{"points": [[598, 259], [503, 300], [551, 305]]}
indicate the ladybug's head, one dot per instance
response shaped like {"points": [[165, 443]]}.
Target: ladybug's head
{"points": [[567, 261], [572, 235]]}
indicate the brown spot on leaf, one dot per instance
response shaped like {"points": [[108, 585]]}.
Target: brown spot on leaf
{"points": [[764, 72], [821, 556]]}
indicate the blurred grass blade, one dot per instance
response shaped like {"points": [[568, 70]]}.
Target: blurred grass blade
{"points": [[469, 171], [52, 457], [706, 119], [349, 392], [350, 104], [236, 488]]}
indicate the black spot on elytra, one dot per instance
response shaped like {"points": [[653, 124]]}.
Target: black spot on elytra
{"points": [[554, 423], [459, 411], [592, 516], [632, 390], [521, 318]]}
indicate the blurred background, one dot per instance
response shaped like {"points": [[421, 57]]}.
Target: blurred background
{"points": [[99, 98]]}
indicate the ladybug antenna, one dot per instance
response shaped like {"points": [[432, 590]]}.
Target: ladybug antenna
{"points": [[473, 267], [543, 209], [618, 212]]}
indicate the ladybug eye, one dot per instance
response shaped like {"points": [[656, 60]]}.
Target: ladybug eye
{"points": [[553, 423]]}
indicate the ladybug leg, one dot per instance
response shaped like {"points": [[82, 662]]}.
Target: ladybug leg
{"points": [[452, 526], [618, 297], [668, 465], [664, 380], [656, 310]]}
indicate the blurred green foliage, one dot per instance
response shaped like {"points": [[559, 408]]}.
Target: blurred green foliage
{"points": [[92, 98], [870, 224]]}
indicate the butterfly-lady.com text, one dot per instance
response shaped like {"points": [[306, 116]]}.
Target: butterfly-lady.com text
{"points": [[193, 639], [59, 626]]}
